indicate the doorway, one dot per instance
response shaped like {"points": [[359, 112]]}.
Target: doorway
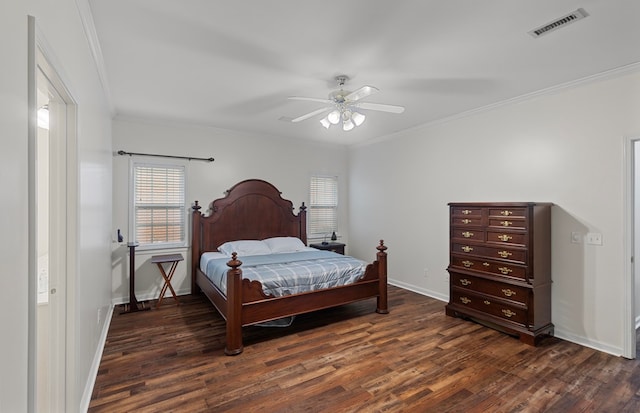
{"points": [[631, 334], [51, 196]]}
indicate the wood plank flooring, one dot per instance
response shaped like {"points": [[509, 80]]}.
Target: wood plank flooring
{"points": [[350, 359]]}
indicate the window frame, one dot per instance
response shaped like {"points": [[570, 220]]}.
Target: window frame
{"points": [[311, 222], [141, 162]]}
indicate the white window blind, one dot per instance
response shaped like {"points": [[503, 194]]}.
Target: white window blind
{"points": [[323, 206], [159, 204]]}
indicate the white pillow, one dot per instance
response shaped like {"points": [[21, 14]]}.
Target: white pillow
{"points": [[284, 244], [245, 247]]}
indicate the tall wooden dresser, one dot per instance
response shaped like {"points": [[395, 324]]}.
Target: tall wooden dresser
{"points": [[500, 266]]}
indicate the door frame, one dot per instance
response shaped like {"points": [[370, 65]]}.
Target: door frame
{"points": [[629, 241], [39, 51]]}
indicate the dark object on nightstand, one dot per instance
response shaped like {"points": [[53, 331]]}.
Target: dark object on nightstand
{"points": [[330, 246]]}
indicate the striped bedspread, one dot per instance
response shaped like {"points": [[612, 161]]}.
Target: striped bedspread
{"points": [[291, 273]]}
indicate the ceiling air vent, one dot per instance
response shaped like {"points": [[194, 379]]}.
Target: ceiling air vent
{"points": [[559, 22]]}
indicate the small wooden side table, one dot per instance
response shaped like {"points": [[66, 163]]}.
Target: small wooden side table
{"points": [[173, 260]]}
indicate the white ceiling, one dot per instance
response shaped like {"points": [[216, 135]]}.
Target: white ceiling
{"points": [[232, 64]]}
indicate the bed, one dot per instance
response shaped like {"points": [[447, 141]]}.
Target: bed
{"points": [[255, 210]]}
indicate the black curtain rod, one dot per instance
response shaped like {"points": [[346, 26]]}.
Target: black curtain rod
{"points": [[166, 156]]}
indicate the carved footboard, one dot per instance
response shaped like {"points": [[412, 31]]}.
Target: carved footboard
{"points": [[247, 304]]}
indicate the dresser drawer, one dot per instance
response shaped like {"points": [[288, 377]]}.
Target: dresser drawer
{"points": [[465, 234], [507, 212], [487, 305], [516, 255], [512, 238], [497, 289], [467, 211], [466, 221], [480, 264], [504, 253], [513, 223], [468, 249]]}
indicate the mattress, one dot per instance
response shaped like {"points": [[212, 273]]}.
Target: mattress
{"points": [[287, 273]]}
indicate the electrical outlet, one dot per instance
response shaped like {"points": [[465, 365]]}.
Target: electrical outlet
{"points": [[99, 315], [426, 273]]}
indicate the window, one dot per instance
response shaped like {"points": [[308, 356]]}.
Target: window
{"points": [[158, 205], [323, 206]]}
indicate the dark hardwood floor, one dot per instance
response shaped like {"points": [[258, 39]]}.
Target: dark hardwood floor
{"points": [[350, 359]]}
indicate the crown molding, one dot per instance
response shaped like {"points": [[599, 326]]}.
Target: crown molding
{"points": [[84, 8], [608, 74]]}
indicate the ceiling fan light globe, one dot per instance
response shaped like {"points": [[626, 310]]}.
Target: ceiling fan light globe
{"points": [[334, 117], [358, 118], [325, 122], [347, 125]]}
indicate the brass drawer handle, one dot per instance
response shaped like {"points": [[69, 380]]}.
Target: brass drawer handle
{"points": [[466, 221], [508, 292], [466, 212], [486, 264], [465, 300], [487, 302], [505, 237], [504, 254], [467, 263], [467, 234], [467, 248], [505, 270], [506, 223], [506, 213], [465, 282], [508, 313]]}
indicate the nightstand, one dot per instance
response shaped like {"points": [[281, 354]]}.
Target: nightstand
{"points": [[330, 246]]}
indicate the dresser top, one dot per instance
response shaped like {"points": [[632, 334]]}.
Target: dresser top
{"points": [[493, 204]]}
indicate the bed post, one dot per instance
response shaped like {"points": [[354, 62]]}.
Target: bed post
{"points": [[382, 279], [196, 239], [303, 223], [234, 307]]}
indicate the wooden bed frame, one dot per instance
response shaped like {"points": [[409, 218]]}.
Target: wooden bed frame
{"points": [[254, 209]]}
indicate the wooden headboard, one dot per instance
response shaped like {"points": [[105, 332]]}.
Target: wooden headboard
{"points": [[251, 209]]}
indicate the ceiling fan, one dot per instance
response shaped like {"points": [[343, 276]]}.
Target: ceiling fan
{"points": [[343, 106]]}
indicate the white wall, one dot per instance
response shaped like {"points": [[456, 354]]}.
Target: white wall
{"points": [[287, 164], [59, 23], [565, 148]]}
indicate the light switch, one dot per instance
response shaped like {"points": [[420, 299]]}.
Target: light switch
{"points": [[594, 238], [576, 237]]}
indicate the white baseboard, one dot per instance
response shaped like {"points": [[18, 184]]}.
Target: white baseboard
{"points": [[419, 290], [583, 341], [95, 365], [147, 296]]}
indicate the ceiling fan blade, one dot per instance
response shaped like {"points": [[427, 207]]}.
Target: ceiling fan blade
{"points": [[381, 107], [363, 92], [310, 99], [309, 115]]}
